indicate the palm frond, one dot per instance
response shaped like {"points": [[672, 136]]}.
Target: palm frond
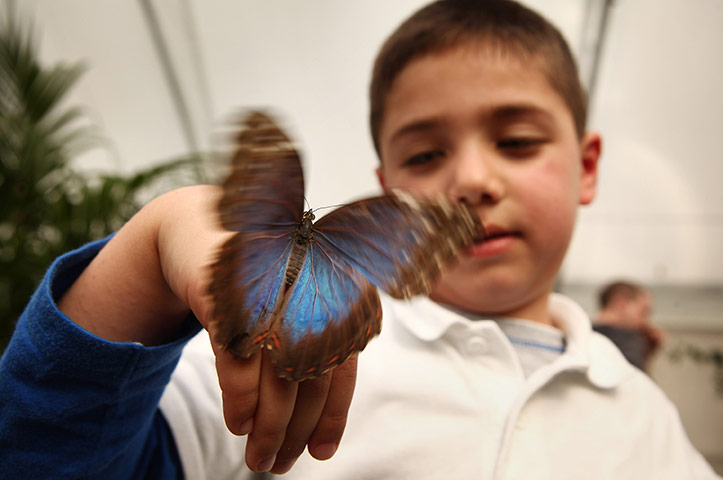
{"points": [[49, 208]]}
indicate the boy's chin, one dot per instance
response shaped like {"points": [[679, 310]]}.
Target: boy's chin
{"points": [[466, 295], [498, 291]]}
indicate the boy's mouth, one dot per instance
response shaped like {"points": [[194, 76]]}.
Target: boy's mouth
{"points": [[493, 240], [490, 231]]}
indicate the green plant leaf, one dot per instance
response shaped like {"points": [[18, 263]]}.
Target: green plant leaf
{"points": [[49, 208]]}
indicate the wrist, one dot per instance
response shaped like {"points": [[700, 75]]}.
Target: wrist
{"points": [[122, 295]]}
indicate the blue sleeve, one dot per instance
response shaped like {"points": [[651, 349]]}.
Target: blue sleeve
{"points": [[73, 405]]}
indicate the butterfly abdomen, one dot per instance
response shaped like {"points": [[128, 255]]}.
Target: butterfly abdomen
{"points": [[296, 261], [302, 237]]}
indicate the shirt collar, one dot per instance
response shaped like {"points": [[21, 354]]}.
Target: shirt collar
{"points": [[424, 318], [593, 354], [587, 352]]}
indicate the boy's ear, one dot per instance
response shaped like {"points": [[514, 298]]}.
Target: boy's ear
{"points": [[380, 178], [590, 149]]}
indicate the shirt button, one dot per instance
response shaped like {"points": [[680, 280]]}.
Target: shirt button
{"points": [[476, 346]]}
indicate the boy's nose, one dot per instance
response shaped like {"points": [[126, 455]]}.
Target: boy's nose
{"points": [[476, 179]]}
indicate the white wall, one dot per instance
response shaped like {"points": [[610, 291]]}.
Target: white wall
{"points": [[123, 89], [659, 214], [310, 62]]}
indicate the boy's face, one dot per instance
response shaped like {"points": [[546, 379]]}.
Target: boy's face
{"points": [[490, 131]]}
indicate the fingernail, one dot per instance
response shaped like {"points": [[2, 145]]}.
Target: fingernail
{"points": [[266, 464], [325, 451], [246, 427]]}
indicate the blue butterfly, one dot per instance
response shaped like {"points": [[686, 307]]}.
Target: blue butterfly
{"points": [[307, 291]]}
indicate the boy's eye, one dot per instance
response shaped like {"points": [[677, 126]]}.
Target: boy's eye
{"points": [[519, 144], [423, 158], [520, 147]]}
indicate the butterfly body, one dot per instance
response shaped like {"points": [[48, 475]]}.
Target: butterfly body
{"points": [[305, 291], [302, 237]]}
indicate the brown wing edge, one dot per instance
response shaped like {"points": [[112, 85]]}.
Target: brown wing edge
{"points": [[230, 321], [449, 227], [265, 166], [365, 322]]}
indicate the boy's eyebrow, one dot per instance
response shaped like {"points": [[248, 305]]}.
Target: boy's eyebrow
{"points": [[501, 113], [509, 112], [416, 127]]}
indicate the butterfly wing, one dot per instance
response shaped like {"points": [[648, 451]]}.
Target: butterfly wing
{"points": [[246, 286], [331, 309], [331, 312], [398, 241], [262, 200], [265, 188]]}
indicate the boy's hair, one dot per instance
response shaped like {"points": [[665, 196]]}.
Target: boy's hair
{"points": [[616, 289], [503, 24]]}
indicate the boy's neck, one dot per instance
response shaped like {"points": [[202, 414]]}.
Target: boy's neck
{"points": [[537, 310]]}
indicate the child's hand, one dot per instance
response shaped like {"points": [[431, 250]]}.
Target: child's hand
{"points": [[282, 417], [140, 287]]}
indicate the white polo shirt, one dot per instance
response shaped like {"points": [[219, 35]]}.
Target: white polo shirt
{"points": [[441, 394]]}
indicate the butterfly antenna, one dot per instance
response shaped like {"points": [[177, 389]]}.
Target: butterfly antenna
{"points": [[329, 206]]}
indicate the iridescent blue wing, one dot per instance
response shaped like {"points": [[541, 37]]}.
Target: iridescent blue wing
{"points": [[395, 242], [262, 200], [331, 311], [399, 242], [246, 286]]}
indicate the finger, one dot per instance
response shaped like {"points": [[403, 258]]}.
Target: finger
{"points": [[327, 434], [310, 401], [276, 404], [239, 382]]}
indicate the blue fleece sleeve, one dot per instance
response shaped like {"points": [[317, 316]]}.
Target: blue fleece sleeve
{"points": [[73, 405]]}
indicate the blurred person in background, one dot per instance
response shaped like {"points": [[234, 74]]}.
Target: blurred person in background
{"points": [[625, 318]]}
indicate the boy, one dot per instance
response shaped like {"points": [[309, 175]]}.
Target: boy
{"points": [[492, 377]]}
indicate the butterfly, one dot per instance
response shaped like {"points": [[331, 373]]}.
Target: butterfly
{"points": [[305, 291]]}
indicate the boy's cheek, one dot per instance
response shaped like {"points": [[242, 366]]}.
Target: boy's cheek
{"points": [[552, 216], [389, 179]]}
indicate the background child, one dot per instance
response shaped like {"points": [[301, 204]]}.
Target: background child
{"points": [[624, 317], [493, 376]]}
